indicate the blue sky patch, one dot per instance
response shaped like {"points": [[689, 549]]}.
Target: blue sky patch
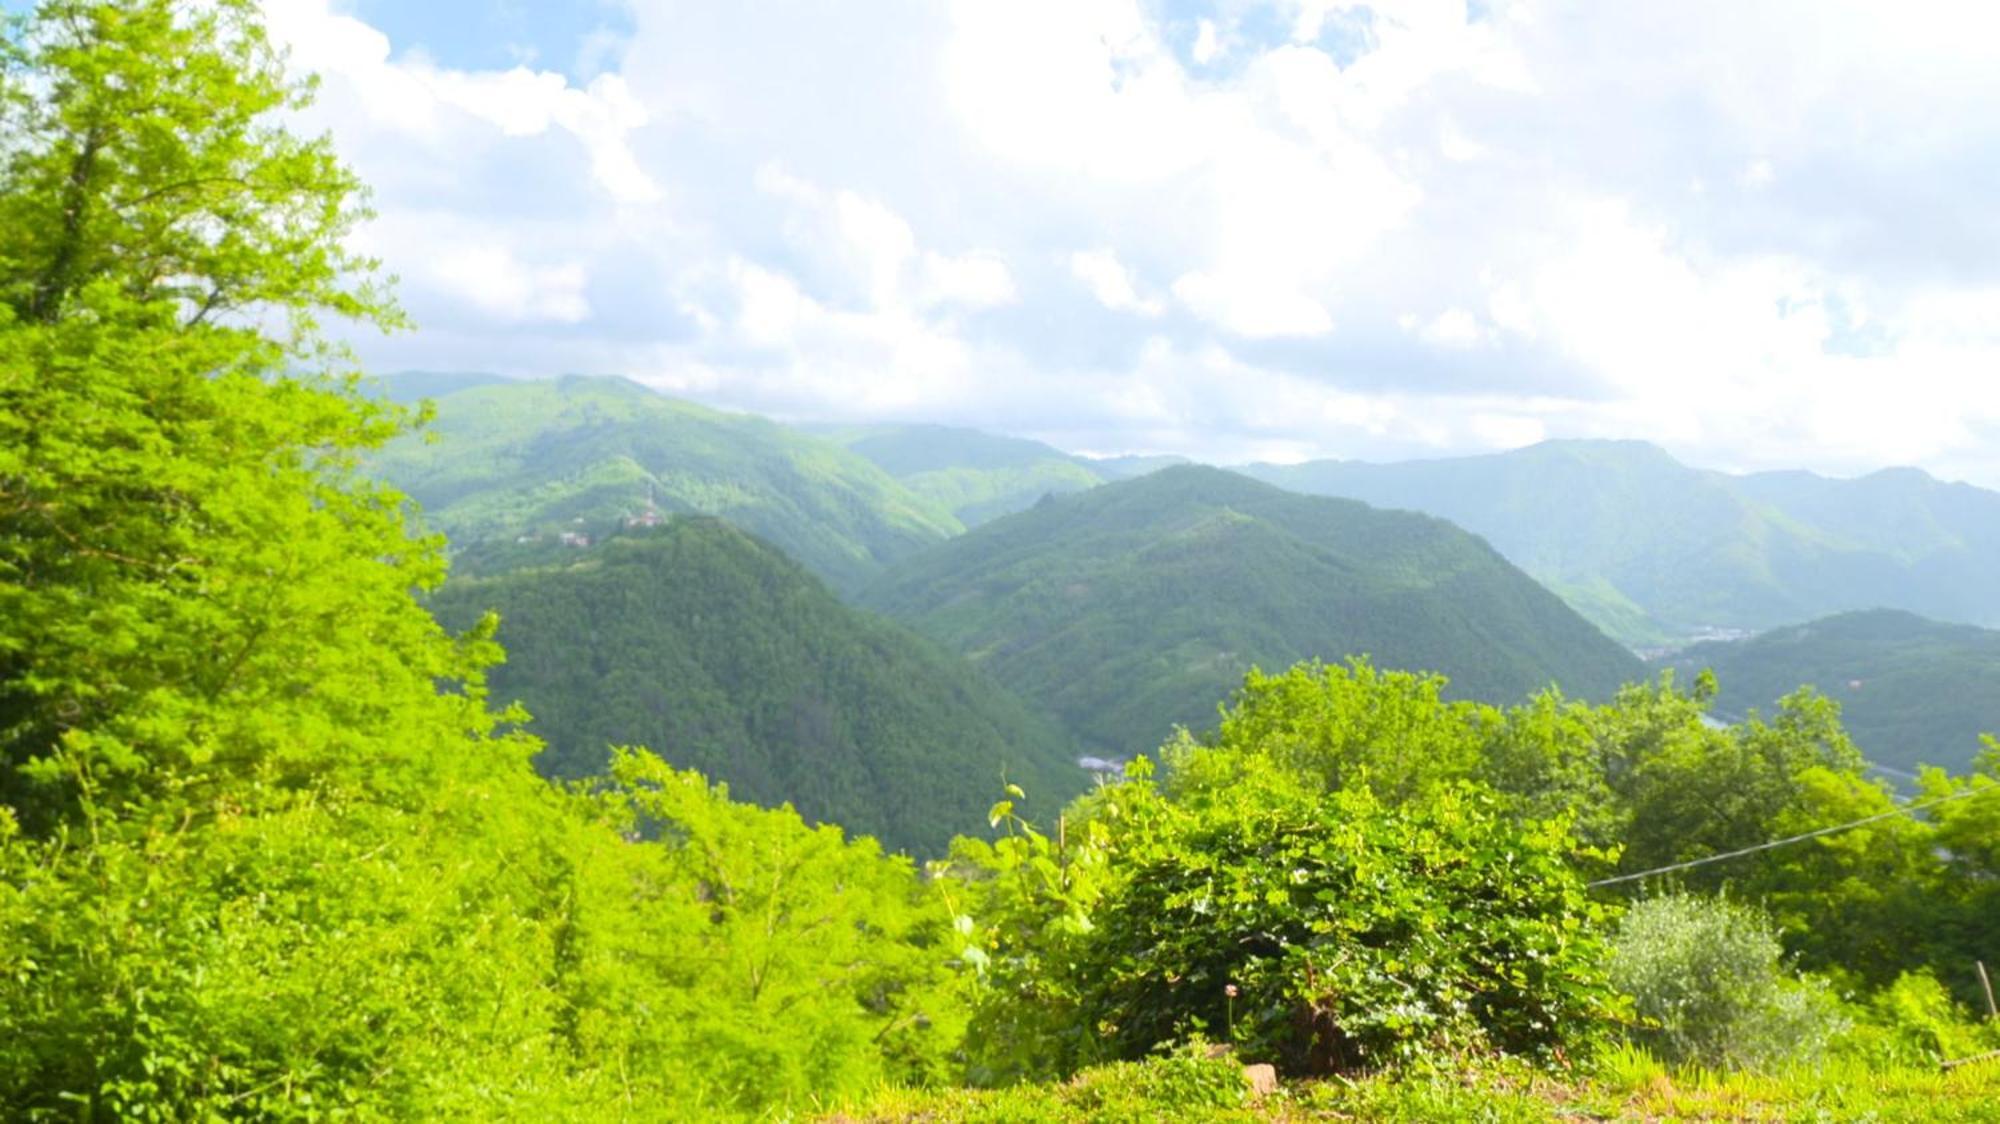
{"points": [[497, 34]]}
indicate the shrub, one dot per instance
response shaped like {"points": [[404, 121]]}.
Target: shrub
{"points": [[1320, 931], [1914, 1021], [1708, 978]]}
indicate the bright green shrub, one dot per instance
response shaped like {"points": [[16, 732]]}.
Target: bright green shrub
{"points": [[1914, 1021], [1321, 931], [1707, 976], [1352, 933]]}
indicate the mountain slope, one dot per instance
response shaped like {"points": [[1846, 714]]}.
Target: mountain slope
{"points": [[1913, 691], [1655, 551], [716, 651], [514, 460], [976, 476], [1138, 605]]}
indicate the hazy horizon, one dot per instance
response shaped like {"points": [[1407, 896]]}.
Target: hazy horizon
{"points": [[1755, 234]]}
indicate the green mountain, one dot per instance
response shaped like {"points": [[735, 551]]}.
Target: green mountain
{"points": [[510, 465], [1913, 691], [722, 655], [1138, 605], [411, 387], [981, 476], [1656, 552], [976, 476]]}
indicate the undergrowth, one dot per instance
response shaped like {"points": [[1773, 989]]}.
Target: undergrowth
{"points": [[1626, 1084]]}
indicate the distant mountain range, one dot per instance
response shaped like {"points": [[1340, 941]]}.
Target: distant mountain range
{"points": [[509, 466], [1912, 691], [721, 654], [1138, 605], [1117, 597], [979, 476], [1655, 552]]}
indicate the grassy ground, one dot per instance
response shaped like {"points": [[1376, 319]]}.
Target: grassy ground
{"points": [[1627, 1087]]}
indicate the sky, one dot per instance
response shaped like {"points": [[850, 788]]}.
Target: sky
{"points": [[1762, 234]]}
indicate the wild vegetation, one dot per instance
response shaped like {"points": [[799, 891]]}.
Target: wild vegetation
{"points": [[1131, 608], [268, 852], [695, 636], [1913, 692]]}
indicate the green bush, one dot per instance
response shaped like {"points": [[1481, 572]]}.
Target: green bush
{"points": [[1915, 1021], [1319, 931], [1708, 978]]}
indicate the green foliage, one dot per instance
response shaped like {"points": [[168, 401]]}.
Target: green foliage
{"points": [[698, 639], [742, 960], [1655, 552], [195, 585], [1649, 781], [1914, 1021], [265, 852], [1627, 1085], [507, 459], [1128, 609], [977, 476], [327, 956], [262, 851], [1181, 1085], [1352, 934], [1912, 692], [1336, 727], [1319, 930], [1708, 979]]}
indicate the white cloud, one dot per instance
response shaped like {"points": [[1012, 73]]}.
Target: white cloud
{"points": [[497, 283], [414, 96], [1453, 328], [1751, 229], [876, 250], [1111, 283], [1207, 43], [976, 280]]}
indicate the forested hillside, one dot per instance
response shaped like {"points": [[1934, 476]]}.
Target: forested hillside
{"points": [[977, 476], [270, 850], [1912, 691], [724, 656], [1654, 551], [1135, 606], [504, 461]]}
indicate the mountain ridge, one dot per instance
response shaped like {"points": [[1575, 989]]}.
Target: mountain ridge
{"points": [[1651, 548], [1151, 597], [719, 653], [521, 462]]}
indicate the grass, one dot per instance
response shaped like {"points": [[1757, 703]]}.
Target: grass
{"points": [[1627, 1085]]}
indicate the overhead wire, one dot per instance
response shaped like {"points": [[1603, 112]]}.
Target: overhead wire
{"points": [[1904, 810]]}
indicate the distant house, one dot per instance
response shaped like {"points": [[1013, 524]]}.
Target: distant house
{"points": [[650, 517], [575, 538]]}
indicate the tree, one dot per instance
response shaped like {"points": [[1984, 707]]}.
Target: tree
{"points": [[199, 588]]}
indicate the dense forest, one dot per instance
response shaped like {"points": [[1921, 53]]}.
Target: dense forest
{"points": [[1655, 552], [1913, 692], [505, 461], [270, 850], [1134, 607], [695, 636]]}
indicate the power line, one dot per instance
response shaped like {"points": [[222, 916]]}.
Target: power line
{"points": [[1787, 841]]}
